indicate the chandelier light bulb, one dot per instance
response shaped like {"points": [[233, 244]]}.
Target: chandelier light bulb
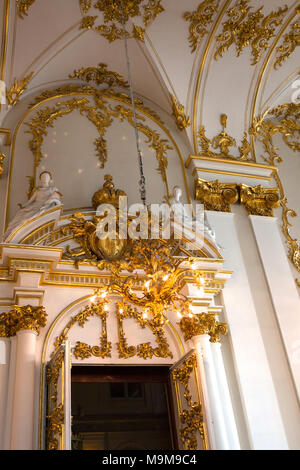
{"points": [[166, 277], [106, 308], [179, 315], [93, 298], [121, 310], [190, 315], [104, 294], [145, 315]]}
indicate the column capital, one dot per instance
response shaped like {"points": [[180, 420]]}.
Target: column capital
{"points": [[21, 318], [203, 324]]}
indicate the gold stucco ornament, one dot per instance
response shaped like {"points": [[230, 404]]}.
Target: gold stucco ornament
{"points": [[20, 318]]}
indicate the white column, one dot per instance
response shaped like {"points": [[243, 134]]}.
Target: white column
{"points": [[213, 405], [228, 414], [258, 395], [4, 376], [10, 392], [282, 287], [23, 403]]}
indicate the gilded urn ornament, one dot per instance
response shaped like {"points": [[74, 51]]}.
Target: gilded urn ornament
{"points": [[95, 248]]}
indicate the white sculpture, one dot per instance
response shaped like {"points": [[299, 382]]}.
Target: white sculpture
{"points": [[180, 213], [43, 198]]}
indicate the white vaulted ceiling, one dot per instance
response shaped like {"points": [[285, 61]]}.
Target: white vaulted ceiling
{"points": [[48, 42]]}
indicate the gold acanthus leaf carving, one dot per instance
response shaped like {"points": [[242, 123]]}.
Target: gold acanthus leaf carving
{"points": [[23, 7], [182, 121], [248, 29], [101, 115], [83, 350], [199, 20], [259, 200], [22, 318], [144, 350], [223, 142], [17, 89], [191, 418], [201, 324], [55, 424], [290, 41], [115, 14], [216, 196], [100, 75], [2, 157], [264, 130]]}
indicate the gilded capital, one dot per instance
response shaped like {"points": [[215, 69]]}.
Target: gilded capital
{"points": [[259, 200], [216, 196], [22, 318], [203, 324]]}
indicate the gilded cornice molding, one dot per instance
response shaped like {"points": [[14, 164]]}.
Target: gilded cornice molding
{"points": [[259, 200], [199, 20], [290, 41], [17, 89], [222, 142], [100, 75], [203, 324], [113, 16], [182, 121], [216, 196], [244, 28], [22, 318]]}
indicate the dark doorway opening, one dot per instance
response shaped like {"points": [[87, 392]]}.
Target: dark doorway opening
{"points": [[122, 408]]}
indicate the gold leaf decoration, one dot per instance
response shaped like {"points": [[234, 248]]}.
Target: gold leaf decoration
{"points": [[101, 115], [263, 128], [248, 29], [17, 89], [182, 121], [23, 7], [223, 142], [100, 75], [2, 157], [114, 16], [199, 20], [290, 41]]}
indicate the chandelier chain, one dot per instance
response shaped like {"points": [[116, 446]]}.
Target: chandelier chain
{"points": [[142, 181]]}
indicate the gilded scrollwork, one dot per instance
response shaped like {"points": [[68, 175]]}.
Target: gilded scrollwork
{"points": [[244, 28], [100, 75], [17, 89], [199, 20], [100, 114], [2, 157], [191, 418], [182, 121], [144, 350], [82, 350], [290, 41], [222, 142], [115, 15], [264, 128], [55, 417], [216, 196]]}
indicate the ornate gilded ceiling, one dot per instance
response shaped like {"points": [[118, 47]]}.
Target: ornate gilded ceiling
{"points": [[195, 62]]}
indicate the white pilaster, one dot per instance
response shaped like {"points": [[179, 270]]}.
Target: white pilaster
{"points": [[282, 286], [260, 404], [23, 402], [232, 435], [4, 376], [213, 407]]}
